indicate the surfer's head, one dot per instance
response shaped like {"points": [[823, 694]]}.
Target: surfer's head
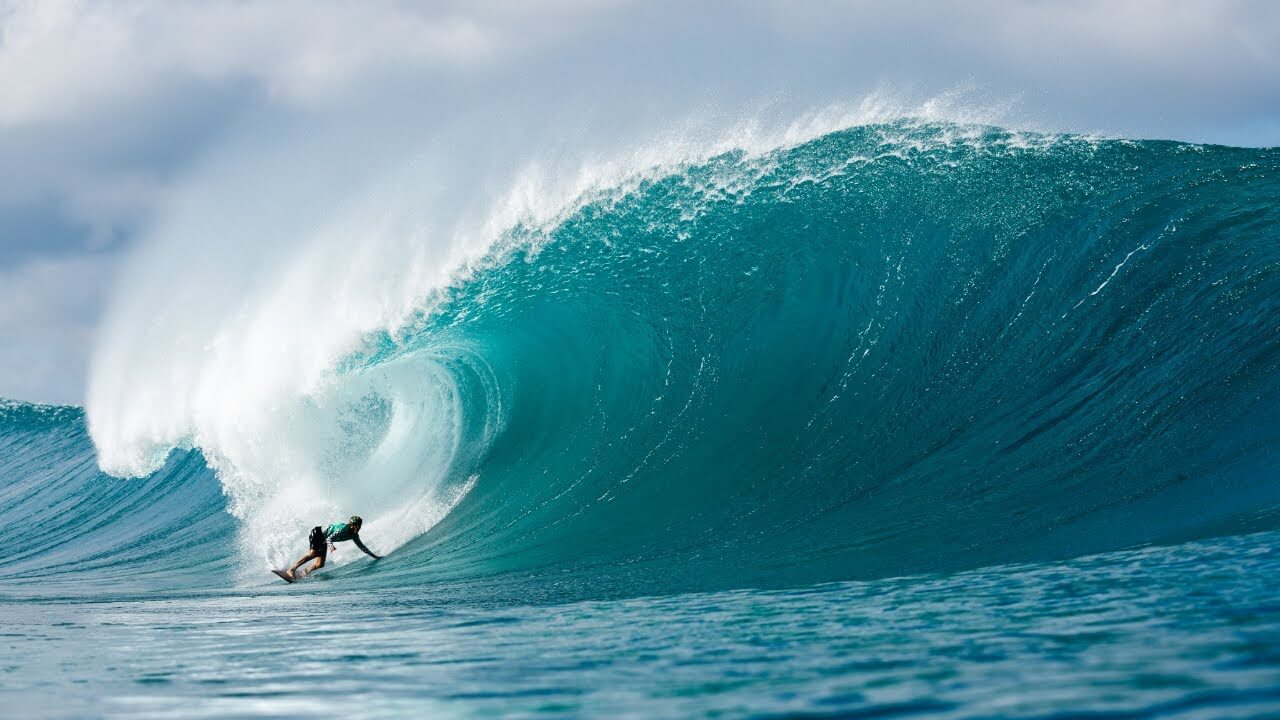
{"points": [[355, 522]]}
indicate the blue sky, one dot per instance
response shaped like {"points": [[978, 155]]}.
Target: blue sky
{"points": [[109, 109]]}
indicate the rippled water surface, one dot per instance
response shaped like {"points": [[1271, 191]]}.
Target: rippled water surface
{"points": [[1186, 631]]}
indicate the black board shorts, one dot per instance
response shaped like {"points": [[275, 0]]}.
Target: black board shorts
{"points": [[319, 542]]}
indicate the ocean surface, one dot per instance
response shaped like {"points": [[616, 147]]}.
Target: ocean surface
{"points": [[906, 419]]}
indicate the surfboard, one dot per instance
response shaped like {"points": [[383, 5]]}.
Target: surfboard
{"points": [[283, 575]]}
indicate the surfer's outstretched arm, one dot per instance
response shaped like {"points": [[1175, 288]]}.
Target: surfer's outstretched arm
{"points": [[356, 539]]}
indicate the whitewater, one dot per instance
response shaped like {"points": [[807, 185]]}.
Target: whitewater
{"points": [[894, 416]]}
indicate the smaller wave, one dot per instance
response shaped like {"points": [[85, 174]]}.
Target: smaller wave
{"points": [[76, 530]]}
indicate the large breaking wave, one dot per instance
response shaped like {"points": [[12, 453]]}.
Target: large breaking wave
{"points": [[900, 347]]}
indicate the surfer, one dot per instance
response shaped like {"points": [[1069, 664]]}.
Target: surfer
{"points": [[322, 540]]}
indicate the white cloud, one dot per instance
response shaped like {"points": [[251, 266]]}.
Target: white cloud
{"points": [[60, 58], [64, 59], [48, 311]]}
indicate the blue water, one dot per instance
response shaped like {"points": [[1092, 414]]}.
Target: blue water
{"points": [[907, 419]]}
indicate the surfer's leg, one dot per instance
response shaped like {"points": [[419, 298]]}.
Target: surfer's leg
{"points": [[319, 563], [310, 554]]}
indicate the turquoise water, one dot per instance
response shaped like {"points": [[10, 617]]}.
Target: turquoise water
{"points": [[907, 419]]}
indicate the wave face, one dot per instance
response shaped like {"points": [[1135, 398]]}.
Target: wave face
{"points": [[72, 528], [896, 348]]}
